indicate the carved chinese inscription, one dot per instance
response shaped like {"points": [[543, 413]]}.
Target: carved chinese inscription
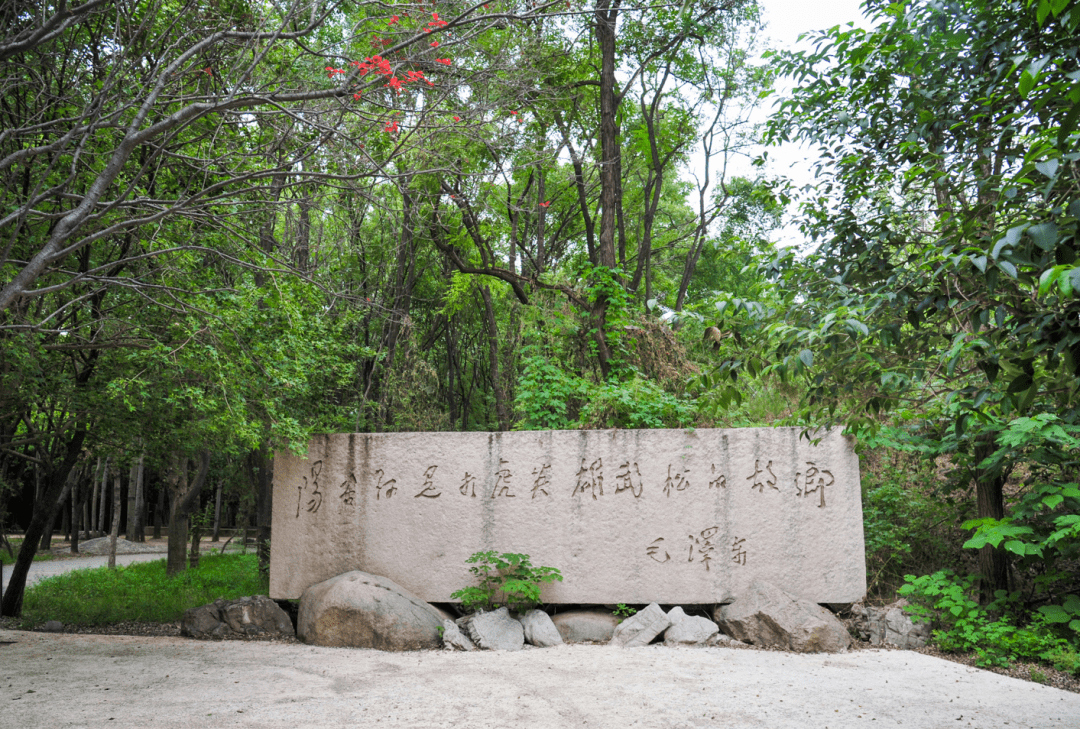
{"points": [[704, 546], [652, 550], [590, 478], [676, 481], [624, 480], [429, 485], [468, 483], [502, 481], [316, 499], [738, 552], [348, 491], [718, 480], [380, 484], [760, 483], [542, 479], [803, 487]]}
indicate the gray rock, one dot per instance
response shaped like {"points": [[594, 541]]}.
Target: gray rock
{"points": [[361, 610], [686, 629], [494, 631], [585, 626], [100, 546], [890, 625], [539, 630], [767, 616], [53, 626], [720, 640], [252, 615], [453, 639], [641, 628]]}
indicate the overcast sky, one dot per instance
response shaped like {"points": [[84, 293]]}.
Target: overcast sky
{"points": [[787, 19]]}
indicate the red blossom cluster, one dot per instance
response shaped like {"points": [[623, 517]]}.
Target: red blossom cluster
{"points": [[545, 204], [330, 71], [443, 61], [391, 127], [393, 19], [436, 22]]}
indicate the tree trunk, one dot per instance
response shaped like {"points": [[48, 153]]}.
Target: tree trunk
{"points": [[501, 410], [139, 520], [114, 532], [263, 462], [217, 509], [990, 503], [99, 518], [58, 481], [183, 495], [76, 512], [159, 511], [129, 523]]}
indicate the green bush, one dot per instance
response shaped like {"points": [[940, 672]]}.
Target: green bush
{"points": [[963, 625], [505, 579], [139, 592]]}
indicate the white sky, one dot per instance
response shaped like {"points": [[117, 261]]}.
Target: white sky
{"points": [[786, 20]]}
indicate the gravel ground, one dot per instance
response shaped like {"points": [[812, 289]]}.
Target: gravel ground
{"points": [[64, 680]]}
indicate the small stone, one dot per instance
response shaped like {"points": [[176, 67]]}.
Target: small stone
{"points": [[719, 640], [585, 626], [539, 630], [641, 628], [53, 626], [890, 625], [453, 639], [495, 631], [688, 630]]}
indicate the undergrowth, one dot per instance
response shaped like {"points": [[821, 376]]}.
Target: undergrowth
{"points": [[139, 592]]}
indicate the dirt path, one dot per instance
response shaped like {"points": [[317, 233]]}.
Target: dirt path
{"points": [[63, 680], [41, 570]]}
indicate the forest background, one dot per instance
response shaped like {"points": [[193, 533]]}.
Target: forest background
{"points": [[225, 226]]}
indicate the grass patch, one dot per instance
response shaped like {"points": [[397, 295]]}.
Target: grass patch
{"points": [[16, 545], [140, 592]]}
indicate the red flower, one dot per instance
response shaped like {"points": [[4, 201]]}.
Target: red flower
{"points": [[457, 118], [393, 19], [434, 44], [391, 127], [443, 61], [545, 204]]}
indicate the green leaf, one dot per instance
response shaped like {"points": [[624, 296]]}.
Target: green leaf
{"points": [[1047, 167], [1044, 235], [1008, 268], [807, 357]]}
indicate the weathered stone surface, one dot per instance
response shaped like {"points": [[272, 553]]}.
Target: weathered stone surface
{"points": [[361, 610], [453, 639], [688, 629], [539, 630], [770, 617], [719, 639], [252, 615], [494, 631], [641, 628], [629, 516], [890, 625], [585, 626]]}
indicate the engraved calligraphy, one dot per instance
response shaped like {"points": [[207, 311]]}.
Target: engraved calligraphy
{"points": [[428, 485], [391, 489], [758, 482], [804, 489], [590, 478], [348, 491], [676, 482], [502, 481], [542, 479], [653, 548], [624, 480]]}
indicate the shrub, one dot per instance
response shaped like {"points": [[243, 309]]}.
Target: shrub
{"points": [[505, 579]]}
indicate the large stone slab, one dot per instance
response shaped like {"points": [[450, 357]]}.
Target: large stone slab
{"points": [[629, 516]]}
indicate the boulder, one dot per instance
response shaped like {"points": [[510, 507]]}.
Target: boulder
{"points": [[686, 629], [585, 626], [494, 631], [890, 625], [361, 610], [453, 639], [539, 630], [767, 616], [245, 616], [53, 626], [641, 628]]}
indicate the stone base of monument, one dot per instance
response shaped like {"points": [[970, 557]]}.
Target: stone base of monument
{"points": [[361, 610], [256, 615], [767, 616]]}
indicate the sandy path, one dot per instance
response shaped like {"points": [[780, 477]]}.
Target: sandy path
{"points": [[64, 680], [41, 570]]}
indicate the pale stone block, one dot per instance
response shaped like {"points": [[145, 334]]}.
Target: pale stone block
{"points": [[628, 516], [640, 628]]}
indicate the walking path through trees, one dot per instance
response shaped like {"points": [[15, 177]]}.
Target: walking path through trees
{"points": [[41, 570], [119, 681]]}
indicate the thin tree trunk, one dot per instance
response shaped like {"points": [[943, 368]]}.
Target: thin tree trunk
{"points": [[264, 505], [139, 520], [990, 503], [183, 495], [115, 531], [58, 481], [76, 511], [217, 509], [129, 523], [159, 511], [501, 410], [100, 519]]}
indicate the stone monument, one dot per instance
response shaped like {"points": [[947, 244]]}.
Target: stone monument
{"points": [[628, 516]]}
